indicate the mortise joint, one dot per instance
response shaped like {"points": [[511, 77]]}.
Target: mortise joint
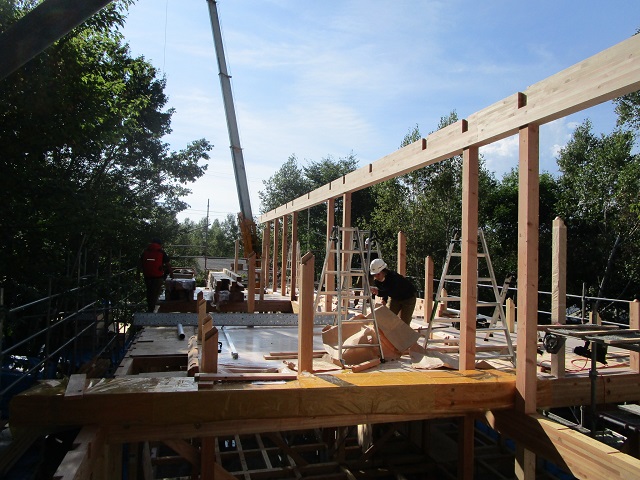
{"points": [[522, 100], [464, 125]]}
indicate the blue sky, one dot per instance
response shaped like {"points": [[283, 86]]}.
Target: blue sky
{"points": [[329, 78]]}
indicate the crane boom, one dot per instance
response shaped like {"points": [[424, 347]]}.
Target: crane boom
{"points": [[246, 223]]}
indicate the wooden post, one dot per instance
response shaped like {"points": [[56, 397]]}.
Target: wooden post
{"points": [[469, 269], [634, 322], [276, 232], [264, 262], [305, 315], [559, 289], [428, 288], [208, 457], [210, 348], [285, 254], [510, 313], [402, 253], [294, 255], [466, 434], [331, 262], [236, 262], [528, 232], [528, 241], [201, 306], [251, 284]]}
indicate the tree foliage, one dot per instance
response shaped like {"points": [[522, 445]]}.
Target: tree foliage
{"points": [[84, 165]]}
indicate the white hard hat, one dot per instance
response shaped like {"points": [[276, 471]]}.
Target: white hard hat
{"points": [[377, 265]]}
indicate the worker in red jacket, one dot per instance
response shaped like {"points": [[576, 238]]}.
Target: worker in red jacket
{"points": [[154, 266], [396, 291]]}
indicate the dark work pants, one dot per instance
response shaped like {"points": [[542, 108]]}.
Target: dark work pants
{"points": [[405, 307], [154, 287]]}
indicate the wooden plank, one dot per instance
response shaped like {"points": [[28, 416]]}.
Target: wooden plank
{"points": [[244, 377], [602, 77], [75, 387], [361, 367], [580, 455]]}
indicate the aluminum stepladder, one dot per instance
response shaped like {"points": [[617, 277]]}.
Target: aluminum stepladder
{"points": [[346, 246], [486, 278], [287, 271]]}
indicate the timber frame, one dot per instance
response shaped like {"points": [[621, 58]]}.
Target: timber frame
{"points": [[175, 411], [603, 77]]}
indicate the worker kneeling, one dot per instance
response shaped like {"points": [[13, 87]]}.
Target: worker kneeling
{"points": [[396, 291]]}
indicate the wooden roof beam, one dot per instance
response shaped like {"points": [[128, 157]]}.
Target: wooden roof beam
{"points": [[602, 77]]}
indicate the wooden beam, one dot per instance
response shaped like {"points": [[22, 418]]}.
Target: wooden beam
{"points": [[580, 455], [185, 450], [469, 268], [40, 28], [428, 288], [306, 314], [276, 232], [176, 400], [558, 288], [251, 283], [466, 451], [264, 261], [208, 458], [294, 255], [285, 254], [81, 459], [602, 77], [528, 232]]}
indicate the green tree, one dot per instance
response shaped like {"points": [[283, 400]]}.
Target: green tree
{"points": [[599, 202], [86, 176]]}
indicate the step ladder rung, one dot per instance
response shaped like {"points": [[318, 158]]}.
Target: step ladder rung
{"points": [[459, 277], [485, 277], [362, 345], [506, 356], [343, 276]]}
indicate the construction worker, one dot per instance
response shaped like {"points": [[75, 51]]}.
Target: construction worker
{"points": [[396, 291], [154, 266]]}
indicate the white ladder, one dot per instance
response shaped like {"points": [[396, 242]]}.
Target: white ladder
{"points": [[287, 271], [486, 278], [346, 245]]}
